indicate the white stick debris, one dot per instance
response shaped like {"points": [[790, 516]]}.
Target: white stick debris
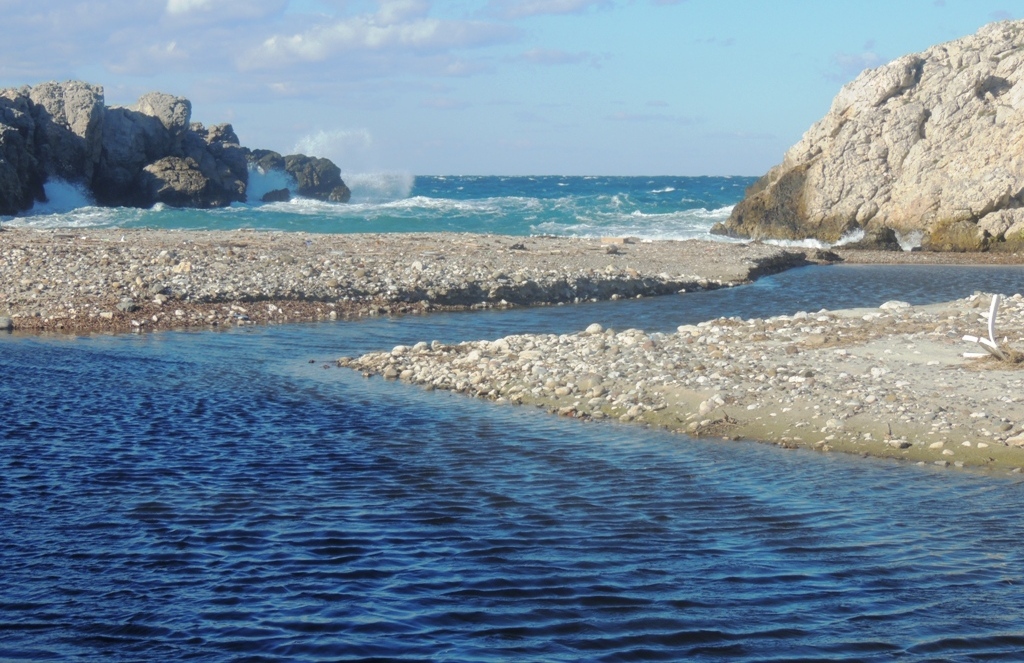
{"points": [[990, 344]]}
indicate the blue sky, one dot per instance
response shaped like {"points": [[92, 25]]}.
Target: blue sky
{"points": [[510, 87]]}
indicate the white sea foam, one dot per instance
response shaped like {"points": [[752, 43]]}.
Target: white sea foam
{"points": [[379, 187], [82, 217], [685, 224], [62, 197], [911, 240], [262, 182], [67, 205]]}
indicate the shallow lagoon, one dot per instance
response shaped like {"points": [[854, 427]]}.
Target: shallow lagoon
{"points": [[216, 496]]}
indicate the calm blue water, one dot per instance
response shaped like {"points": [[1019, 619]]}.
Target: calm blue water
{"points": [[219, 496], [648, 207]]}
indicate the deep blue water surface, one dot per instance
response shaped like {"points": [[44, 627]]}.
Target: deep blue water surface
{"points": [[231, 495]]}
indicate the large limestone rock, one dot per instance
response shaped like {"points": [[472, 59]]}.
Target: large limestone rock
{"points": [[21, 174], [68, 118], [931, 143], [138, 156]]}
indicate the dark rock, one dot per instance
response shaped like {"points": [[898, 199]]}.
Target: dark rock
{"points": [[266, 160], [21, 173], [277, 196], [314, 177], [138, 156], [317, 178], [177, 182], [879, 239], [69, 119], [131, 141]]}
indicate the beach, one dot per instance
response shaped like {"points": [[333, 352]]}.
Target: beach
{"points": [[881, 382], [123, 280]]}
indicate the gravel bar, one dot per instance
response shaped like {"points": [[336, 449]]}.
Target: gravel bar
{"points": [[889, 382], [125, 280]]}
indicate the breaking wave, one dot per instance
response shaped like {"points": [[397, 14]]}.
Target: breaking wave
{"points": [[647, 208]]}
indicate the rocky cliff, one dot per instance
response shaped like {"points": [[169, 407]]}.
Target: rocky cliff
{"points": [[931, 143], [136, 156]]}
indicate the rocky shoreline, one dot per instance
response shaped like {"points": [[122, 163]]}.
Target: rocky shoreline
{"points": [[128, 280], [875, 382], [887, 382]]}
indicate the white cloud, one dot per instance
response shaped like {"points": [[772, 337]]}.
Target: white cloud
{"points": [[227, 12], [516, 9], [396, 11], [399, 26], [186, 6]]}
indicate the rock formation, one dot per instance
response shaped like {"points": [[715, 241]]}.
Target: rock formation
{"points": [[314, 177], [136, 156], [931, 143]]}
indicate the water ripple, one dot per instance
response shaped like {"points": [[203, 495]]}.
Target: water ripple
{"points": [[214, 496]]}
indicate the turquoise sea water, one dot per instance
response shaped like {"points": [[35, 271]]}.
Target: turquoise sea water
{"points": [[232, 496], [647, 207]]}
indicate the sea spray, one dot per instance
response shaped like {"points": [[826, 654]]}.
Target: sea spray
{"points": [[262, 182], [61, 197], [383, 187], [643, 207]]}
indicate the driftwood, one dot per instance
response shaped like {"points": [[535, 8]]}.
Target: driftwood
{"points": [[990, 344]]}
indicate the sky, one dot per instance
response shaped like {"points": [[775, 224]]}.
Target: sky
{"points": [[490, 87]]}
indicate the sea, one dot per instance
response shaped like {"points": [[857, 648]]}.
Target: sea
{"points": [[232, 495]]}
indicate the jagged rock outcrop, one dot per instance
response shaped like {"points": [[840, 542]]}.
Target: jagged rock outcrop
{"points": [[136, 156], [314, 177], [931, 143]]}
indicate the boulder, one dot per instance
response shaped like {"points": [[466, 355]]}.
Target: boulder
{"points": [[68, 119], [931, 143], [276, 196], [176, 182], [317, 178], [173, 113], [878, 239], [131, 141], [314, 177]]}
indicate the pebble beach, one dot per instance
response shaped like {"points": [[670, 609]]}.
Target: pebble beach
{"points": [[887, 382], [124, 280]]}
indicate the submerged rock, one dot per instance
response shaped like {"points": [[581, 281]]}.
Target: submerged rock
{"points": [[929, 143], [277, 196]]}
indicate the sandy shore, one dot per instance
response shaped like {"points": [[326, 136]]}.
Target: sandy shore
{"points": [[125, 280]]}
